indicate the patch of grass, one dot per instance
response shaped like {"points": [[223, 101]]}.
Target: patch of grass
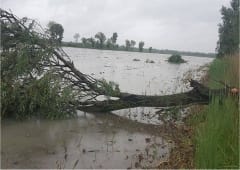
{"points": [[225, 70], [217, 137], [217, 127]]}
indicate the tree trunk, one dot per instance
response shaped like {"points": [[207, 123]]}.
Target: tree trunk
{"points": [[199, 95]]}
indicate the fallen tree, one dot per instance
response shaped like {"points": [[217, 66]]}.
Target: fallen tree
{"points": [[86, 88], [199, 95]]}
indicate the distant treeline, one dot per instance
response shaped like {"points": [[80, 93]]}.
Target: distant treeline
{"points": [[145, 50], [100, 41]]}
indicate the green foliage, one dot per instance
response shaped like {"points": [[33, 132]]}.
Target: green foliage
{"points": [[114, 38], [56, 31], [140, 46], [84, 41], [110, 88], [217, 127], [42, 97], [150, 49], [91, 41], [128, 44], [229, 30], [117, 47], [27, 88], [101, 38], [76, 37], [217, 138], [149, 61], [109, 44], [225, 70], [177, 59], [218, 67], [133, 43]]}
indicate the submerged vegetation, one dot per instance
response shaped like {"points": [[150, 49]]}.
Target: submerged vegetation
{"points": [[149, 61], [176, 58], [111, 88]]}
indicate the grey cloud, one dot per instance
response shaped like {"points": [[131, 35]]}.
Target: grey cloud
{"points": [[164, 24]]}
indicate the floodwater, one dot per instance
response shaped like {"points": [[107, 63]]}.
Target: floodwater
{"points": [[138, 77], [89, 142], [128, 138]]}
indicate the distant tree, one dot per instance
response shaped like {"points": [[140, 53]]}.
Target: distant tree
{"points": [[150, 49], [91, 41], [84, 41], [128, 44], [101, 37], [140, 46], [133, 43], [229, 30], [76, 37], [56, 31], [114, 38], [109, 43]]}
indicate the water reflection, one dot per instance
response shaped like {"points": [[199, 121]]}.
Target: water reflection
{"points": [[154, 116], [92, 142]]}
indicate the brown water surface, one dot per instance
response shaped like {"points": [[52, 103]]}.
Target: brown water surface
{"points": [[105, 141], [128, 138]]}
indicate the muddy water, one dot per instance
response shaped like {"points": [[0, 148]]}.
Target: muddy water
{"points": [[138, 77], [129, 138], [86, 142]]}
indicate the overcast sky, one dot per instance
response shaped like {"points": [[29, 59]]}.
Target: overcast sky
{"points": [[190, 25]]}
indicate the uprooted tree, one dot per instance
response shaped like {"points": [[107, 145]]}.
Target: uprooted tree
{"points": [[39, 79]]}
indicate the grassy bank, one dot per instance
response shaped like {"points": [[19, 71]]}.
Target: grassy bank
{"points": [[217, 126]]}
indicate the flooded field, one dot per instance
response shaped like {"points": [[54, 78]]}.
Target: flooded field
{"points": [[128, 138], [134, 71], [102, 141]]}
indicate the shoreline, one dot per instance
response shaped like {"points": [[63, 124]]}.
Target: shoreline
{"points": [[183, 135]]}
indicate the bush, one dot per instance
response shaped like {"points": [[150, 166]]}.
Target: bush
{"points": [[149, 61], [135, 59], [176, 59]]}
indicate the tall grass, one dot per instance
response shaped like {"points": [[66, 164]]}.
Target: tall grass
{"points": [[225, 70], [217, 131]]}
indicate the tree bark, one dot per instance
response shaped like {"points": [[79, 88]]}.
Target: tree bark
{"points": [[198, 95]]}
